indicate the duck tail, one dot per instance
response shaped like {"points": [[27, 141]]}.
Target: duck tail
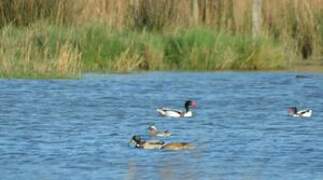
{"points": [[161, 111]]}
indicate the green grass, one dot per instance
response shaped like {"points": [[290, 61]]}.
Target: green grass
{"points": [[38, 51], [207, 49], [56, 51]]}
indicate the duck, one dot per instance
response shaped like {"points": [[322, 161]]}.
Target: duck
{"points": [[293, 111], [153, 131], [143, 144], [178, 113], [161, 145]]}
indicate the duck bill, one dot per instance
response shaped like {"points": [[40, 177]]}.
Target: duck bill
{"points": [[194, 105]]}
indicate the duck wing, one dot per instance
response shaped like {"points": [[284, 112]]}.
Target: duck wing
{"points": [[177, 146], [303, 111], [155, 142], [170, 112], [169, 109]]}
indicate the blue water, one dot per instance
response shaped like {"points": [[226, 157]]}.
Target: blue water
{"points": [[80, 129]]}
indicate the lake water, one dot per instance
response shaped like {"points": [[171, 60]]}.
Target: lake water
{"points": [[80, 129]]}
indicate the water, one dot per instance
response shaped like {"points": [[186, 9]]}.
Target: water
{"points": [[79, 129]]}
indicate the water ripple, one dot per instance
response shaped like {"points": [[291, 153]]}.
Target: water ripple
{"points": [[80, 129]]}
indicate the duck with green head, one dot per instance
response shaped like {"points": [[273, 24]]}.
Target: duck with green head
{"points": [[143, 144], [156, 144]]}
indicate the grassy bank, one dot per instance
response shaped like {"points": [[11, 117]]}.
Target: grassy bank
{"points": [[62, 39], [43, 50]]}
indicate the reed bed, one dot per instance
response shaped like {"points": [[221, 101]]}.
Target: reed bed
{"points": [[33, 53], [47, 50], [59, 38]]}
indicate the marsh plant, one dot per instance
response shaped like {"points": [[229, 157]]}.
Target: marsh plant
{"points": [[46, 38]]}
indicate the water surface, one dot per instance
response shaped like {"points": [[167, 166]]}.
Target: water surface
{"points": [[79, 129]]}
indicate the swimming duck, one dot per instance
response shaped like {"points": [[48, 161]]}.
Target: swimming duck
{"points": [[142, 144], [156, 144], [153, 131], [292, 111], [178, 113]]}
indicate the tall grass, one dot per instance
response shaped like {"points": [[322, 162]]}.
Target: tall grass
{"points": [[63, 38], [31, 52], [58, 51], [206, 49], [25, 12]]}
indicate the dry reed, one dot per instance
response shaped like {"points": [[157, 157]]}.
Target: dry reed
{"points": [[296, 25]]}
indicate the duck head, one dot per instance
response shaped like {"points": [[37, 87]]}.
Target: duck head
{"points": [[189, 104], [136, 140], [292, 110], [152, 130]]}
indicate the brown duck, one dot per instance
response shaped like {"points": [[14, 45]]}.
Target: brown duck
{"points": [[153, 131]]}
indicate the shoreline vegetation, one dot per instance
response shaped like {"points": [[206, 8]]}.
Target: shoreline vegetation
{"points": [[62, 39]]}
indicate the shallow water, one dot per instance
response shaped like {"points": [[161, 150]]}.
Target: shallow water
{"points": [[80, 129]]}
